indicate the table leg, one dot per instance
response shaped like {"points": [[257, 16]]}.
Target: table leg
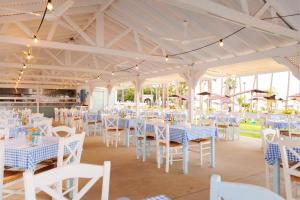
{"points": [[212, 152], [276, 177], [185, 162], [127, 133]]}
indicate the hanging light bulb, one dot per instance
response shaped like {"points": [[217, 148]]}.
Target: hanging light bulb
{"points": [[167, 58], [136, 67], [221, 43], [35, 39], [112, 73], [24, 66], [21, 72], [29, 56], [49, 5], [98, 77]]}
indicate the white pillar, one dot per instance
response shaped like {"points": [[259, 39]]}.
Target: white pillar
{"points": [[192, 77], [138, 86], [109, 92]]}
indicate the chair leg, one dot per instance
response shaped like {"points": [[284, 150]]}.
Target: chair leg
{"points": [[201, 154], [167, 160], [158, 155]]}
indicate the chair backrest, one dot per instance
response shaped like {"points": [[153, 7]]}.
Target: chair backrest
{"points": [[290, 149], [140, 128], [70, 149], [67, 131], [162, 134], [268, 136], [111, 122], [44, 126], [237, 191], [45, 180], [1, 166]]}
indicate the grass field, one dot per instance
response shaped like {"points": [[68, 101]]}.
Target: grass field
{"points": [[249, 129]]}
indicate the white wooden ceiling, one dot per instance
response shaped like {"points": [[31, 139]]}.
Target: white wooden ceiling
{"points": [[96, 37]]}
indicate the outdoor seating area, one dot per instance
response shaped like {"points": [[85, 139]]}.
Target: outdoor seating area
{"points": [[149, 100]]}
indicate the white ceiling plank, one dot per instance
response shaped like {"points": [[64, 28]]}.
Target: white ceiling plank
{"points": [[234, 16], [281, 51], [262, 10], [100, 29], [85, 48], [38, 76], [53, 67], [82, 58], [117, 38], [24, 28], [137, 41], [244, 6], [79, 30], [52, 30], [53, 57]]}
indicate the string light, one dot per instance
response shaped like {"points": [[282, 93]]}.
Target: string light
{"points": [[21, 72], [221, 43], [98, 77], [136, 66], [167, 58], [29, 56], [112, 73], [49, 5], [24, 66]]}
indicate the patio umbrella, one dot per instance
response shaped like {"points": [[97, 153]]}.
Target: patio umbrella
{"points": [[178, 96]]}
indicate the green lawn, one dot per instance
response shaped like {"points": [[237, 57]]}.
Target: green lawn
{"points": [[254, 128]]}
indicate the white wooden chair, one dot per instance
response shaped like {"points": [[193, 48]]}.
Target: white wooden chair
{"points": [[45, 180], [290, 169], [140, 135], [4, 133], [67, 131], [44, 126], [56, 114], [166, 148], [9, 180], [69, 152], [112, 130], [237, 191], [268, 136]]}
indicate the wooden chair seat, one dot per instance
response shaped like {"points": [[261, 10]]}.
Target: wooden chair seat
{"points": [[172, 144], [201, 140], [45, 168], [286, 133], [10, 176], [222, 126], [115, 129], [148, 137], [132, 128]]}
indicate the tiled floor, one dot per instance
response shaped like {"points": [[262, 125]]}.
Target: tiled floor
{"points": [[239, 161]]}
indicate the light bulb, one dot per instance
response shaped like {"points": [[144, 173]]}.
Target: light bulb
{"points": [[49, 5], [35, 39], [21, 72], [98, 77], [24, 66], [112, 73], [221, 43], [167, 58], [136, 67], [29, 56]]}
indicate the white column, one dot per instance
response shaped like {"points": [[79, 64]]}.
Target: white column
{"points": [[192, 77], [138, 86], [38, 93], [109, 92]]}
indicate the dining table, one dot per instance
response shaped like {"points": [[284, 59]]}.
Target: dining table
{"points": [[178, 133], [20, 153], [273, 158]]}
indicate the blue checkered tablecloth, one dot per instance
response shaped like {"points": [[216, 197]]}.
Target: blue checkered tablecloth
{"points": [[19, 153], [183, 135], [92, 117], [273, 153], [159, 197], [282, 124]]}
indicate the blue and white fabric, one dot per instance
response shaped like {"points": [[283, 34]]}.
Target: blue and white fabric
{"points": [[283, 124], [273, 154], [159, 197]]}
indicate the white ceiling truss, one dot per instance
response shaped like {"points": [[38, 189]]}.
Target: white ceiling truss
{"points": [[98, 37]]}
